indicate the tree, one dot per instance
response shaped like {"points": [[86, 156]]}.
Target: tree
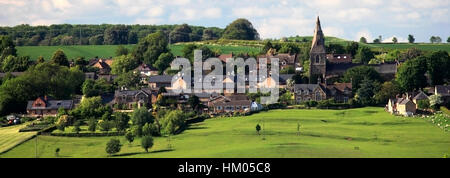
{"points": [[435, 39], [15, 64], [129, 79], [173, 120], [141, 116], [121, 121], [411, 74], [438, 64], [194, 102], [209, 34], [40, 59], [121, 51], [388, 90], [435, 101], [366, 91], [88, 88], [411, 38], [423, 104], [130, 137], [335, 49], [76, 127], [352, 48], [92, 124], [364, 55], [116, 35], [7, 47], [362, 40], [123, 64], [113, 146], [258, 128], [448, 39], [240, 29], [290, 48], [60, 58], [150, 129], [39, 80], [163, 61], [180, 33], [394, 40], [147, 142], [267, 46], [356, 74], [149, 48]]}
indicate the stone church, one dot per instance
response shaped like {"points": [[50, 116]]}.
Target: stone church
{"points": [[317, 54]]}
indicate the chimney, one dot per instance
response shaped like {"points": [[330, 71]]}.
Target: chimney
{"points": [[45, 97]]}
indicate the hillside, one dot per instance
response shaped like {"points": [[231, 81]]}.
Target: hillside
{"points": [[363, 132], [225, 46]]}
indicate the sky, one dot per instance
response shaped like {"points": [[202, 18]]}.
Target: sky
{"points": [[272, 18]]}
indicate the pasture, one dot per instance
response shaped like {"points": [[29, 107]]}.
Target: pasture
{"points": [[10, 136], [363, 132]]}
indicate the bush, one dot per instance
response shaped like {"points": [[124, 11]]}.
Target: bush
{"points": [[423, 104], [92, 124], [88, 134], [147, 142], [106, 125], [130, 137], [113, 146]]}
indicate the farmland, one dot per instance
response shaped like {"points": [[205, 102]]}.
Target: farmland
{"points": [[363, 132], [10, 136]]}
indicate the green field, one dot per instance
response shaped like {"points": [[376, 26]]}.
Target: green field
{"points": [[106, 51], [10, 136], [421, 46], [366, 132]]}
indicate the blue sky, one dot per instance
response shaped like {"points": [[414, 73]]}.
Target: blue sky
{"points": [[273, 19]]}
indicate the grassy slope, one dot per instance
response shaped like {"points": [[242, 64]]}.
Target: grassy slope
{"points": [[375, 132], [10, 136]]}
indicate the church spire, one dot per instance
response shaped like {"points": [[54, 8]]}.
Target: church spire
{"points": [[318, 41]]}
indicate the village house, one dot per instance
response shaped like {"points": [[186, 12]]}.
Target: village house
{"points": [[403, 106], [444, 91], [339, 58], [229, 104], [146, 70], [43, 106], [133, 98], [341, 92], [158, 81], [420, 97], [104, 65]]}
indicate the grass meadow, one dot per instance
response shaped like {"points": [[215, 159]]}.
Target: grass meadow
{"points": [[10, 136], [355, 133]]}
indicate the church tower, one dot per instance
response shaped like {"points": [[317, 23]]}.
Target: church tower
{"points": [[317, 54]]}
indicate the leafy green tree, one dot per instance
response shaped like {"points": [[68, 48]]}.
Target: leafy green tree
{"points": [[210, 34], [366, 91], [105, 125], [163, 61], [132, 37], [258, 128], [113, 146], [435, 101], [121, 121], [267, 46], [394, 40], [356, 74], [120, 51], [130, 137], [448, 39], [149, 48], [180, 33], [194, 102], [7, 47], [438, 67], [173, 121], [96, 40], [141, 116], [411, 38], [364, 55], [352, 48], [411, 74], [117, 34], [423, 104], [335, 49], [388, 90], [240, 29], [92, 124], [15, 64], [147, 142], [39, 80], [60, 58], [76, 127], [129, 79], [150, 129], [88, 88], [123, 64], [363, 40], [40, 59]]}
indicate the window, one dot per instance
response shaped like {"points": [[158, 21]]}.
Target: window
{"points": [[317, 59], [318, 96]]}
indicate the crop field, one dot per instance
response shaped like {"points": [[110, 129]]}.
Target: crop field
{"points": [[10, 136], [363, 132]]}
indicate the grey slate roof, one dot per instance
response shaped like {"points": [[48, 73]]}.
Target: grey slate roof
{"points": [[421, 96], [52, 104], [160, 79]]}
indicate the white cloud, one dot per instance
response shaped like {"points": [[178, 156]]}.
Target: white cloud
{"points": [[399, 39], [364, 33]]}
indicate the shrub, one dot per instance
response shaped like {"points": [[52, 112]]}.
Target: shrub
{"points": [[423, 104], [76, 127], [147, 142], [130, 137], [113, 146], [105, 125], [92, 124]]}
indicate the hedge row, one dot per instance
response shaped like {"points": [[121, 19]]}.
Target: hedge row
{"points": [[88, 134]]}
